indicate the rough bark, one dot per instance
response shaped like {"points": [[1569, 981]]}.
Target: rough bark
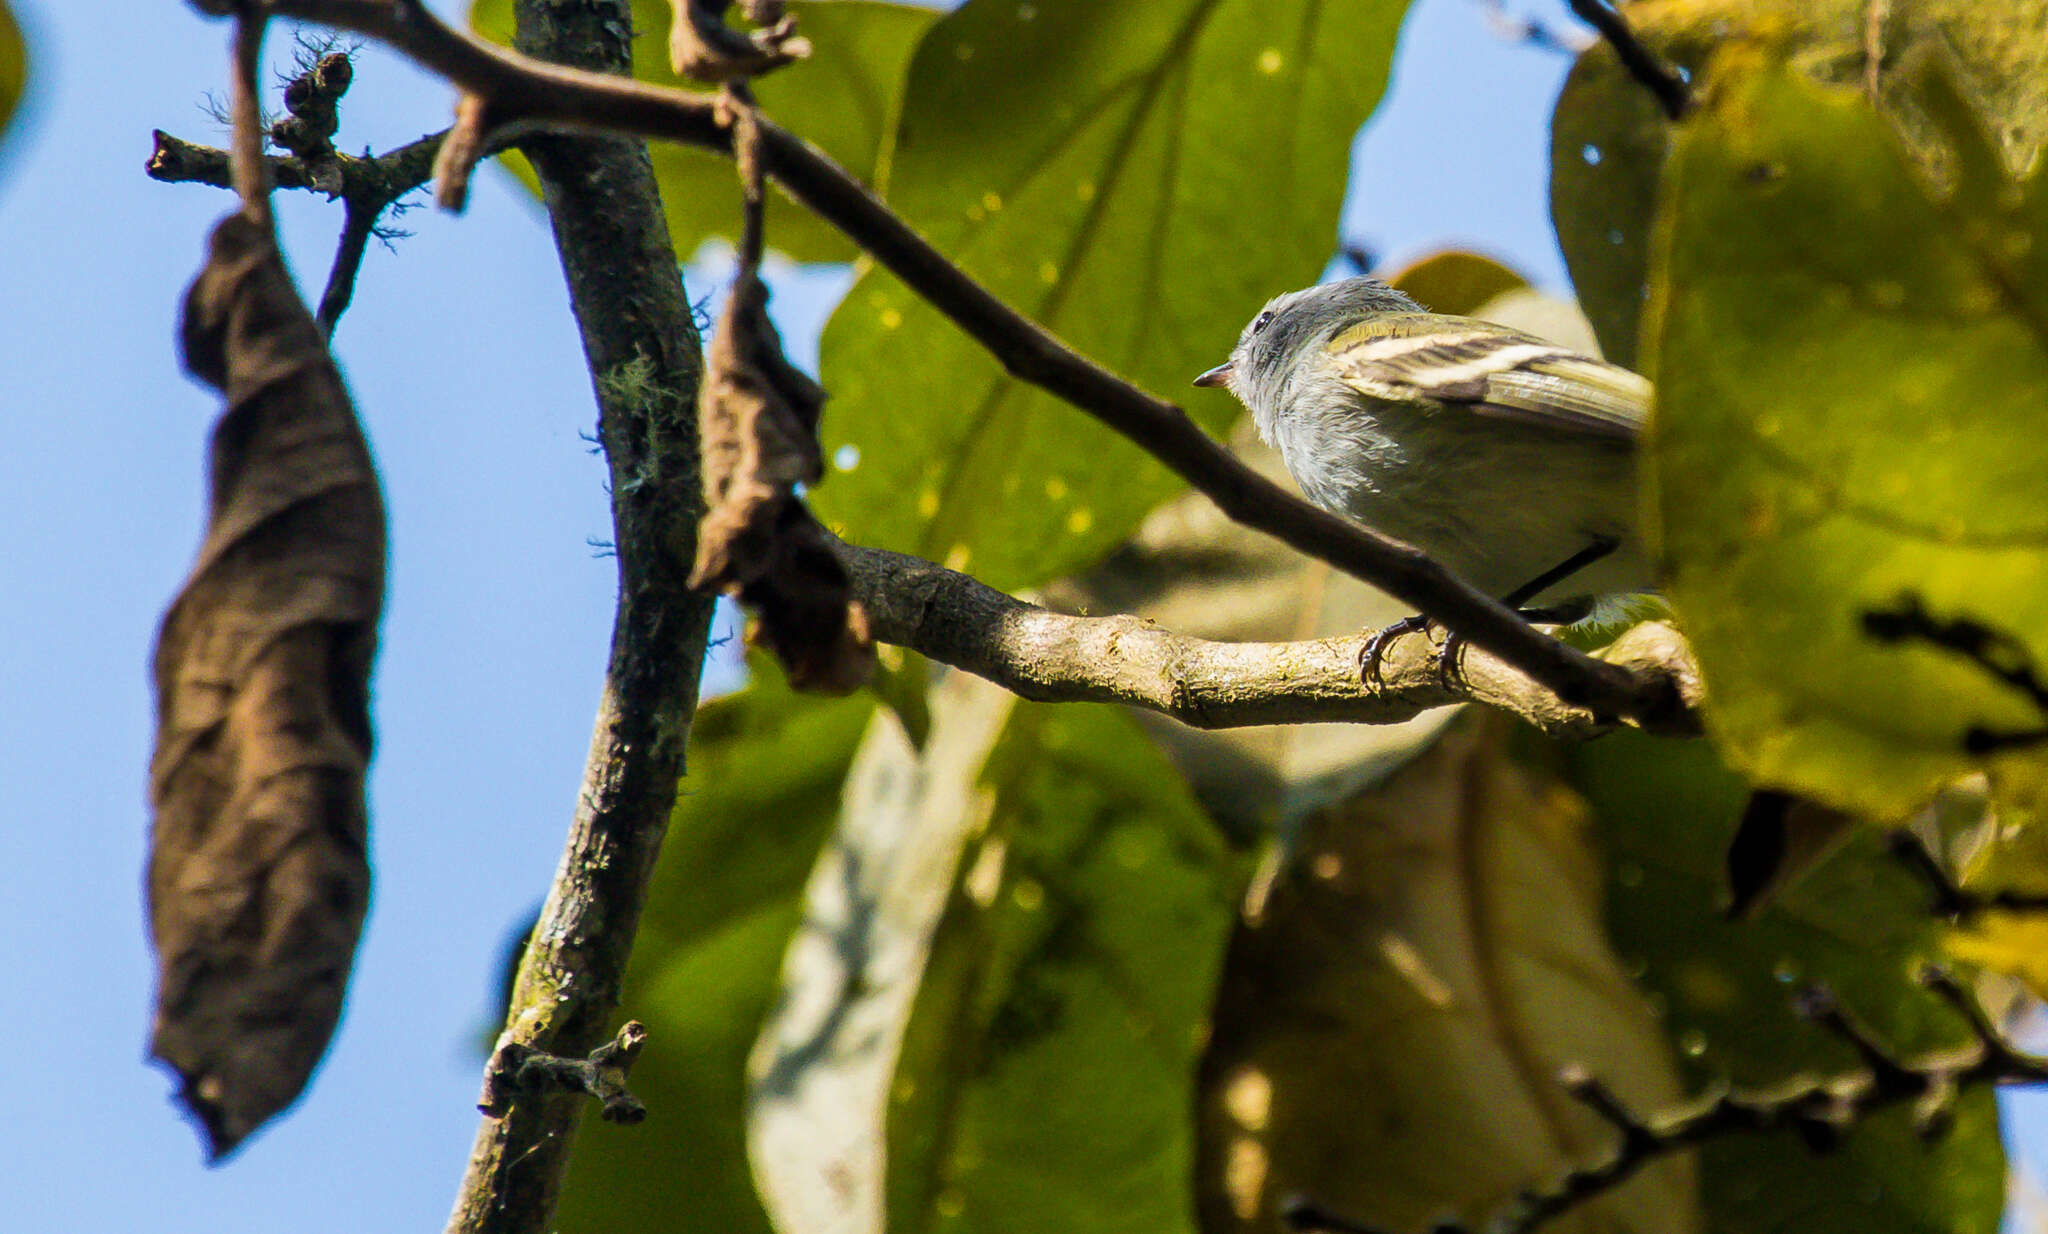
{"points": [[643, 352]]}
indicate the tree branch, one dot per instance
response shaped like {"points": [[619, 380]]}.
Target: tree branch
{"points": [[366, 187], [1820, 1111], [246, 168], [1646, 66], [1042, 655], [357, 226], [519, 1069], [174, 160], [515, 89], [642, 347], [313, 102], [1052, 657], [1950, 898], [390, 175]]}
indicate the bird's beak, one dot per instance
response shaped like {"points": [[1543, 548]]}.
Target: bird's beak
{"points": [[1218, 376]]}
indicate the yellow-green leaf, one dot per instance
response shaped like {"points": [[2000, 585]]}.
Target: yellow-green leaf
{"points": [[1137, 177], [1398, 1001], [1851, 371], [841, 99], [1609, 138], [2013, 858], [1043, 1083], [821, 1098], [1456, 282]]}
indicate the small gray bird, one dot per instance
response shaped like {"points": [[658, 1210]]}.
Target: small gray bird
{"points": [[1508, 459]]}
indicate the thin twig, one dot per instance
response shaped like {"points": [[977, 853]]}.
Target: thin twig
{"points": [[357, 226], [461, 150], [1646, 66], [1951, 899], [1053, 657], [517, 1070], [248, 170], [1999, 653], [526, 90], [1818, 1110], [390, 175], [367, 187], [174, 160], [736, 102], [1359, 255]]}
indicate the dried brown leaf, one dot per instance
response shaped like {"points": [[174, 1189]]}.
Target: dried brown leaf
{"points": [[760, 441], [258, 872], [758, 419], [806, 616]]}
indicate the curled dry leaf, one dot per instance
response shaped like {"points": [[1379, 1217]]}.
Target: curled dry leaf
{"points": [[258, 871], [702, 47], [759, 422]]}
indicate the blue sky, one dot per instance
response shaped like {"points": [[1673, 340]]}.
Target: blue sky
{"points": [[465, 364]]}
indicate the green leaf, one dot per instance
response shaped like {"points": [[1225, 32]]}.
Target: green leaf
{"points": [[1032, 907], [13, 65], [825, 1060], [2011, 855], [1043, 1081], [1607, 143], [1665, 811], [1850, 375], [1137, 177], [840, 99], [1609, 138], [1398, 1001], [760, 798], [1456, 282]]}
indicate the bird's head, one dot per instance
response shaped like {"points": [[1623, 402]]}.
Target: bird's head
{"points": [[1271, 342]]}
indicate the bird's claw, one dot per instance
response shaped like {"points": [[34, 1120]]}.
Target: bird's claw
{"points": [[1375, 648], [1450, 659]]}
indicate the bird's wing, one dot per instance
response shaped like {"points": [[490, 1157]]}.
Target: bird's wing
{"points": [[1492, 370]]}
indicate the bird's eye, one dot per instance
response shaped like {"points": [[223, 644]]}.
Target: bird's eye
{"points": [[1264, 319]]}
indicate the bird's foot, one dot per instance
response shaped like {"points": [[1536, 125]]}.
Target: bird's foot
{"points": [[1450, 663], [1450, 656], [1375, 648]]}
